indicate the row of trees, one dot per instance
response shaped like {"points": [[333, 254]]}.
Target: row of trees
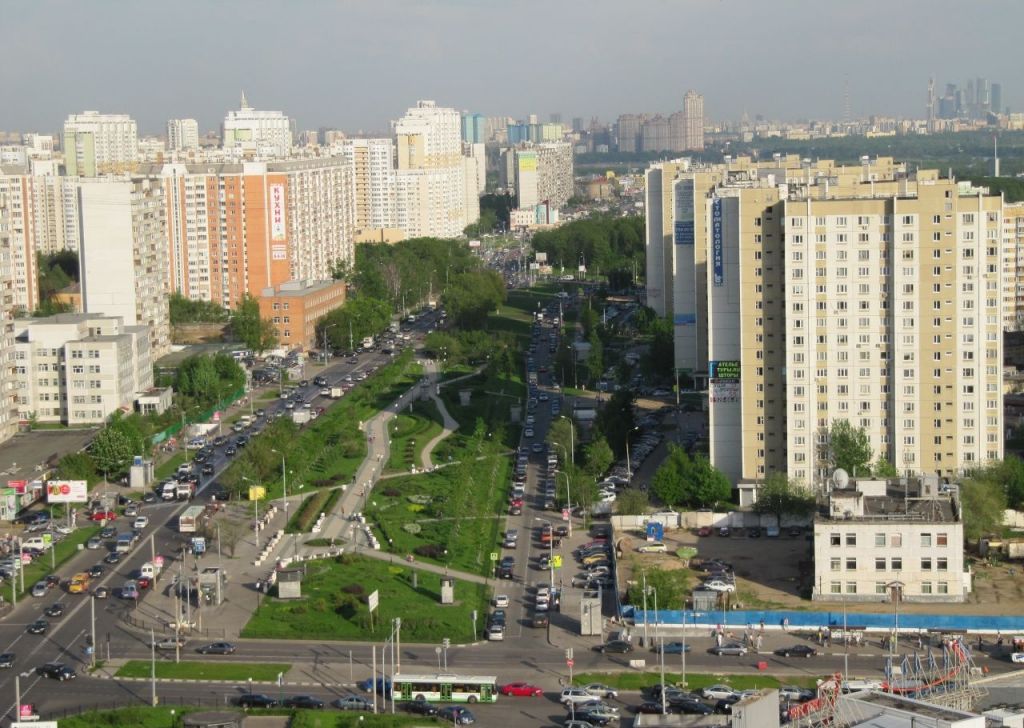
{"points": [[604, 244], [344, 327], [186, 311]]}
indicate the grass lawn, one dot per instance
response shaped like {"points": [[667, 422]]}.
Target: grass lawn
{"points": [[450, 516], [694, 681], [333, 605], [490, 401], [320, 719], [192, 670], [135, 717], [410, 432], [170, 466], [61, 553]]}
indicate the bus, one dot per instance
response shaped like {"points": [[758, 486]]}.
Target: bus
{"points": [[190, 519], [447, 688]]}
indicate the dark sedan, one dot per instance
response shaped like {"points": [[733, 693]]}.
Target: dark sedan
{"points": [[672, 648], [796, 651], [216, 648], [420, 707], [303, 701], [256, 700], [615, 646]]}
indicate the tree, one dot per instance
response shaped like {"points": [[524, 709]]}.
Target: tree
{"points": [[486, 224], [660, 358], [471, 296], [632, 502], [670, 585], [563, 432], [1011, 472], [779, 496], [231, 532], [599, 457], [884, 469], [116, 445], [682, 480], [616, 420], [850, 448], [256, 333], [77, 466], [984, 505], [184, 310]]}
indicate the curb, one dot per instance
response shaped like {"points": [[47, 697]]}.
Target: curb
{"points": [[230, 682]]}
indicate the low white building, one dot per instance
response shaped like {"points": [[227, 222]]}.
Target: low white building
{"points": [[882, 541], [78, 368]]}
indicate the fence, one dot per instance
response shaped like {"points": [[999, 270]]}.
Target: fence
{"points": [[163, 628], [203, 416]]}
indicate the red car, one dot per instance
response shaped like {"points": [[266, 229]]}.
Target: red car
{"points": [[144, 582], [521, 688], [704, 531], [103, 516]]}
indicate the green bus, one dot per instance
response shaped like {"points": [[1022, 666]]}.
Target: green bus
{"points": [[446, 688]]}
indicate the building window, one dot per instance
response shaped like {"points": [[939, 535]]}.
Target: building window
{"points": [[851, 587], [851, 539], [897, 563], [851, 564], [880, 587], [835, 539], [941, 539], [879, 563], [926, 539], [879, 539], [926, 587], [836, 587], [896, 540], [835, 563], [926, 564], [942, 563], [943, 587]]}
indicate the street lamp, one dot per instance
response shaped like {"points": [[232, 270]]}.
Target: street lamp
{"points": [[256, 502], [326, 329], [629, 467]]}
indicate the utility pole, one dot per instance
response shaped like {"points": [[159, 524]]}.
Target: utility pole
{"points": [[152, 666], [92, 621]]}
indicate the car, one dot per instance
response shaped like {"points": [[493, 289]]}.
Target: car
{"points": [[600, 690], [1017, 657], [38, 627], [101, 592], [94, 543], [796, 651], [132, 509], [54, 610], [719, 586], [572, 723], [729, 648], [496, 632], [56, 671], [207, 469], [103, 516], [796, 694], [539, 619], [593, 718], [771, 531], [108, 532], [149, 497], [216, 648], [653, 547], [456, 714], [718, 692], [303, 701], [692, 707], [521, 689], [39, 589], [52, 581], [352, 702], [620, 647], [724, 531], [6, 660], [575, 696], [536, 447], [256, 700], [501, 600], [506, 567], [140, 522], [672, 648], [231, 450], [528, 432], [704, 531], [753, 532], [169, 643]]}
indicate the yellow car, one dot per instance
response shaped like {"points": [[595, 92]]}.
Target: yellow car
{"points": [[79, 583]]}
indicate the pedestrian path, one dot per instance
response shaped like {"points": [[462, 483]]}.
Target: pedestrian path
{"points": [[450, 424]]}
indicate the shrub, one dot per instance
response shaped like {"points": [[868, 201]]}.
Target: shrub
{"points": [[353, 589], [430, 551]]}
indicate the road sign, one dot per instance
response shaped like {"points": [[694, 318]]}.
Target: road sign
{"points": [[570, 663], [373, 600], [556, 561], [494, 556], [446, 642], [568, 654]]}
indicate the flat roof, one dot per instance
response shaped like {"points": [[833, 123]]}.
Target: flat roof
{"points": [[920, 708]]}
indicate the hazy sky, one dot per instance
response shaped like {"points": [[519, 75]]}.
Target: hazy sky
{"points": [[355, 64]]}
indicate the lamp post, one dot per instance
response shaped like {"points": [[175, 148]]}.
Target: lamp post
{"points": [[895, 594], [326, 329], [629, 467], [257, 503]]}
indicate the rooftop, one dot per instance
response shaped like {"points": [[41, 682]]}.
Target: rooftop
{"points": [[893, 705]]}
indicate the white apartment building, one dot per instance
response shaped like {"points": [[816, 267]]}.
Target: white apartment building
{"points": [[431, 182], [373, 162], [1013, 266], [17, 197], [260, 134], [873, 540], [693, 121], [8, 395], [96, 144], [542, 173], [123, 255], [78, 368], [182, 134]]}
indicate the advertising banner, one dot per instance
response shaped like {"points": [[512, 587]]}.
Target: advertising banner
{"points": [[67, 491], [277, 215]]}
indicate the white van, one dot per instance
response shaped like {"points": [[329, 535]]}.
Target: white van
{"points": [[36, 542]]}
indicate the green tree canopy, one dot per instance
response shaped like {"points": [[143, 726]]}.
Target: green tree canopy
{"points": [[256, 333], [850, 448], [347, 325], [984, 504], [599, 457], [616, 420], [471, 296], [115, 446], [685, 481], [187, 311], [563, 432], [780, 496]]}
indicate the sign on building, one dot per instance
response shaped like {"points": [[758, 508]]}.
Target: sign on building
{"points": [[67, 491]]}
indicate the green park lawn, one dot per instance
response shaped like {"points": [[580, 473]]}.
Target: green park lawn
{"points": [[410, 432], [192, 670], [333, 604]]}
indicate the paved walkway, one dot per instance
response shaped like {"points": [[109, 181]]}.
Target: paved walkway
{"points": [[450, 424]]}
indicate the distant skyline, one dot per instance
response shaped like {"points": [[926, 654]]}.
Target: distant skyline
{"points": [[357, 64]]}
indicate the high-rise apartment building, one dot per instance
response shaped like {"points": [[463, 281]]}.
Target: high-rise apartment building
{"points": [[373, 162], [182, 134], [693, 121], [542, 173], [77, 368], [816, 293], [432, 185], [8, 393], [123, 254], [1013, 266], [254, 133], [96, 143], [234, 229], [628, 127], [16, 196], [655, 135], [474, 128]]}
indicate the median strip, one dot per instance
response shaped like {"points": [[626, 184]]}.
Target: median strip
{"points": [[193, 670]]}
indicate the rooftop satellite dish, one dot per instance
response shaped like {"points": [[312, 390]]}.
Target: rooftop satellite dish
{"points": [[840, 478]]}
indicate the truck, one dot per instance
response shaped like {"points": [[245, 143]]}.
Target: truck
{"points": [[368, 342], [184, 491], [190, 519], [301, 416], [336, 393], [169, 491]]}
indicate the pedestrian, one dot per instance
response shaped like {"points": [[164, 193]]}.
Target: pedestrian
{"points": [[759, 639], [762, 625], [718, 638], [785, 624], [819, 635]]}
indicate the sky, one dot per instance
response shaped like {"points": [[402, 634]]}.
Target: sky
{"points": [[356, 64]]}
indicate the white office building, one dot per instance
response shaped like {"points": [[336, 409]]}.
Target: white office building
{"points": [[182, 134], [254, 133], [96, 144], [123, 255]]}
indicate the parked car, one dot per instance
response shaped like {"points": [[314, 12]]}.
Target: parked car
{"points": [[56, 671], [6, 660], [306, 702], [353, 702], [672, 648], [796, 651], [600, 690], [704, 531], [256, 700], [724, 531], [795, 693], [652, 548], [420, 707], [521, 689], [718, 692], [217, 648], [729, 648], [615, 646], [456, 714], [719, 585]]}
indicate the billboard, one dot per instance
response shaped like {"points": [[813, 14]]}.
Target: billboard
{"points": [[279, 252], [716, 242], [277, 216], [683, 218], [257, 492], [66, 491], [724, 369]]}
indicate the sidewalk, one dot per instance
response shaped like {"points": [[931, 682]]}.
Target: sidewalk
{"points": [[450, 424]]}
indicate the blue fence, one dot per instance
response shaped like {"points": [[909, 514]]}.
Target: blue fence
{"points": [[878, 621]]}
